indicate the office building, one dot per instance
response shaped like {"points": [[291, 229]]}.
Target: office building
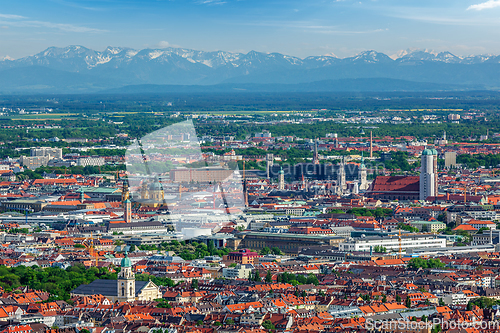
{"points": [[450, 159], [392, 243]]}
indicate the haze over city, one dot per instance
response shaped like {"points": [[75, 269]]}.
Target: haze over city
{"points": [[249, 166]]}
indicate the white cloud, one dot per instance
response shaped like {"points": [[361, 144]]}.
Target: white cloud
{"points": [[211, 2], [42, 24], [61, 26], [163, 44], [350, 32], [485, 5], [12, 17], [10, 20]]}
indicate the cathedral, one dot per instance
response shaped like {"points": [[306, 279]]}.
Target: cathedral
{"points": [[151, 194], [123, 289], [153, 191]]}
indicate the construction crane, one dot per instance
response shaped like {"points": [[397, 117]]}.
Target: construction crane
{"points": [[89, 245]]}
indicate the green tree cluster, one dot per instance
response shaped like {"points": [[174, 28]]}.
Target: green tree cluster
{"points": [[56, 281], [187, 251], [163, 303], [407, 227], [296, 279], [399, 160], [274, 250], [86, 170], [483, 303], [268, 325], [477, 160], [380, 249], [18, 231], [378, 212], [425, 263]]}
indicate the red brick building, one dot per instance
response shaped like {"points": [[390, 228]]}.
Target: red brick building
{"points": [[243, 256], [395, 187]]}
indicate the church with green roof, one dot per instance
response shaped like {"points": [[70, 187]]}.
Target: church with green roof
{"points": [[123, 289]]}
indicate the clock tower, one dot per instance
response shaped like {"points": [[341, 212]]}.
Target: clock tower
{"points": [[126, 281]]}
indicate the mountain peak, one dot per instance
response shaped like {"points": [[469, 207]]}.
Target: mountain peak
{"points": [[331, 55], [414, 53], [370, 56], [118, 66]]}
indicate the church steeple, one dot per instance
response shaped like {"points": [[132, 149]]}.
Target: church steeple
{"points": [[281, 180], [316, 155], [126, 281], [341, 178], [125, 191], [82, 195], [363, 184]]}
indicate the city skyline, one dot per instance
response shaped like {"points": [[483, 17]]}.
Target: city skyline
{"points": [[297, 28]]}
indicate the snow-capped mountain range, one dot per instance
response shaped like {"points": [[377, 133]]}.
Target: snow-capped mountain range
{"points": [[76, 68]]}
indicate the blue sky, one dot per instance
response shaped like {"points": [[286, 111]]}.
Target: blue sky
{"points": [[299, 28]]}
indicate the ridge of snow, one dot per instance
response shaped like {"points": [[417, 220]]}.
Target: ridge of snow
{"points": [[155, 54]]}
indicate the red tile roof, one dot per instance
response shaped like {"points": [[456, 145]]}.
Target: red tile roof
{"points": [[396, 184], [55, 181], [465, 227]]}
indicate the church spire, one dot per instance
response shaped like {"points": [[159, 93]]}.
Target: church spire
{"points": [[125, 191], [126, 281], [281, 180]]}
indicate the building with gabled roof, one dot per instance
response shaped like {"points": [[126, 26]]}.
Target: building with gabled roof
{"points": [[395, 188], [124, 289]]}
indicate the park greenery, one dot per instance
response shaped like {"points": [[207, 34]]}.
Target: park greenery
{"points": [[18, 231], [274, 250], [416, 263], [399, 160], [296, 279], [407, 227], [377, 212], [163, 303], [483, 303], [56, 281], [187, 251], [60, 282], [479, 160], [78, 170]]}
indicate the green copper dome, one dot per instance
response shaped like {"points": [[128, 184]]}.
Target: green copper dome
{"points": [[434, 152], [427, 152], [156, 186], [126, 262]]}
